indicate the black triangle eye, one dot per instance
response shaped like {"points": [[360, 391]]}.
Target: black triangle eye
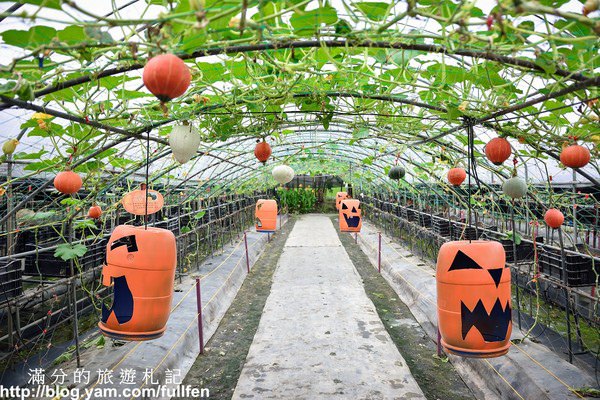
{"points": [[344, 206], [354, 209], [463, 261]]}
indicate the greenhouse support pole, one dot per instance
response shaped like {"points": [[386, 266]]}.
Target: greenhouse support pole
{"points": [[199, 307], [247, 258], [567, 294], [10, 221], [73, 293], [379, 254], [574, 209], [515, 263]]}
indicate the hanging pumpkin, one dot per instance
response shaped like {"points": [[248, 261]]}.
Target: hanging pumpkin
{"points": [[265, 215], [396, 172], [136, 203], [95, 212], [67, 182], [262, 151], [474, 298], [166, 76], [554, 218], [10, 146], [498, 150], [515, 187], [140, 266], [184, 141], [575, 156], [456, 176], [283, 174]]}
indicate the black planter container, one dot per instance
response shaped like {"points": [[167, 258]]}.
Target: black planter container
{"points": [[11, 275], [577, 267]]}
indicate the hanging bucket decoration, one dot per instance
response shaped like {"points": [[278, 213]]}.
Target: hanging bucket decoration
{"points": [[456, 176], [262, 151], [575, 156], [266, 215], [498, 150], [350, 216], [68, 182], [473, 298], [140, 266], [94, 212], [184, 141], [554, 218], [283, 174], [166, 76], [339, 196], [135, 201], [396, 172]]}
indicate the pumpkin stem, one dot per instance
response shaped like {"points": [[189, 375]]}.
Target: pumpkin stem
{"points": [[165, 110]]}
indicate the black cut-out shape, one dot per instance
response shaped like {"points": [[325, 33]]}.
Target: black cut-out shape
{"points": [[493, 326], [122, 304], [344, 206], [496, 274], [354, 209], [128, 241], [352, 221], [463, 261]]}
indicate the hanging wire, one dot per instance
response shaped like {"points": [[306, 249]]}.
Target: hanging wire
{"points": [[147, 177]]}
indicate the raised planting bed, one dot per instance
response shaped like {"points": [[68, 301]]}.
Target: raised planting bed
{"points": [[578, 267]]}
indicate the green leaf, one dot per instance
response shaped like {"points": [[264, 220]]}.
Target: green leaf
{"points": [[68, 251], [375, 11], [31, 39], [42, 3], [307, 23], [199, 214]]}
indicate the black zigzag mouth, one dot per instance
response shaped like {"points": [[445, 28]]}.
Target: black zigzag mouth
{"points": [[493, 326], [352, 221], [122, 304]]}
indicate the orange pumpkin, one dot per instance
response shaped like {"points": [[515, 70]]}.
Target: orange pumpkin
{"points": [[95, 212], [575, 156], [266, 215], [339, 196], [67, 182], [135, 201], [456, 176], [140, 266], [498, 150], [350, 216], [262, 151], [554, 218], [166, 76], [473, 298]]}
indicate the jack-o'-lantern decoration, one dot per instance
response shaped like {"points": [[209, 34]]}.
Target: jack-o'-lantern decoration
{"points": [[135, 201], [266, 215], [498, 150], [456, 176], [140, 266], [339, 196], [473, 298], [350, 216]]}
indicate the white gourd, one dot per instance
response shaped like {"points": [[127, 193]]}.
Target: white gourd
{"points": [[283, 174], [515, 188], [184, 141]]}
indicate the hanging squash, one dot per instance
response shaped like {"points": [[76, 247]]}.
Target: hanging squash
{"points": [[166, 76], [283, 174], [67, 182], [94, 212], [575, 156], [10, 146], [515, 187], [498, 150], [554, 218], [262, 151], [136, 203], [265, 215], [474, 298], [140, 266], [339, 196], [184, 141], [396, 172], [350, 216], [456, 176]]}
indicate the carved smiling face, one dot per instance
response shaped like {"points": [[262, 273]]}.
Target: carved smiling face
{"points": [[474, 305], [350, 216]]}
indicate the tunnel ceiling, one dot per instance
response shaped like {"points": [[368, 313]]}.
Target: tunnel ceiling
{"points": [[341, 87]]}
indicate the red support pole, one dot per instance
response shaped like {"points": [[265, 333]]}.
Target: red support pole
{"points": [[355, 237], [199, 305], [379, 254], [439, 343], [247, 258]]}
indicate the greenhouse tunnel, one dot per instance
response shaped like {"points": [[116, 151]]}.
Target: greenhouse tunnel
{"points": [[300, 199]]}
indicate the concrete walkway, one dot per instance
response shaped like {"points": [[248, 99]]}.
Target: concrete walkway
{"points": [[320, 336]]}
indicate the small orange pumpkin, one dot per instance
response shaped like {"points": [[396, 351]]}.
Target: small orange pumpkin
{"points": [[166, 76], [262, 151], [456, 176], [554, 218], [575, 156], [95, 212], [498, 150], [67, 182]]}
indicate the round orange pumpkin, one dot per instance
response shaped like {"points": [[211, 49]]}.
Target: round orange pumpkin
{"points": [[498, 150], [554, 218], [166, 76], [95, 212], [262, 151], [67, 182], [456, 176], [575, 156]]}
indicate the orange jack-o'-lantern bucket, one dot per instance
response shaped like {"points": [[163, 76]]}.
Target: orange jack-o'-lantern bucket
{"points": [[473, 298], [266, 216], [350, 218], [339, 196], [140, 265]]}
